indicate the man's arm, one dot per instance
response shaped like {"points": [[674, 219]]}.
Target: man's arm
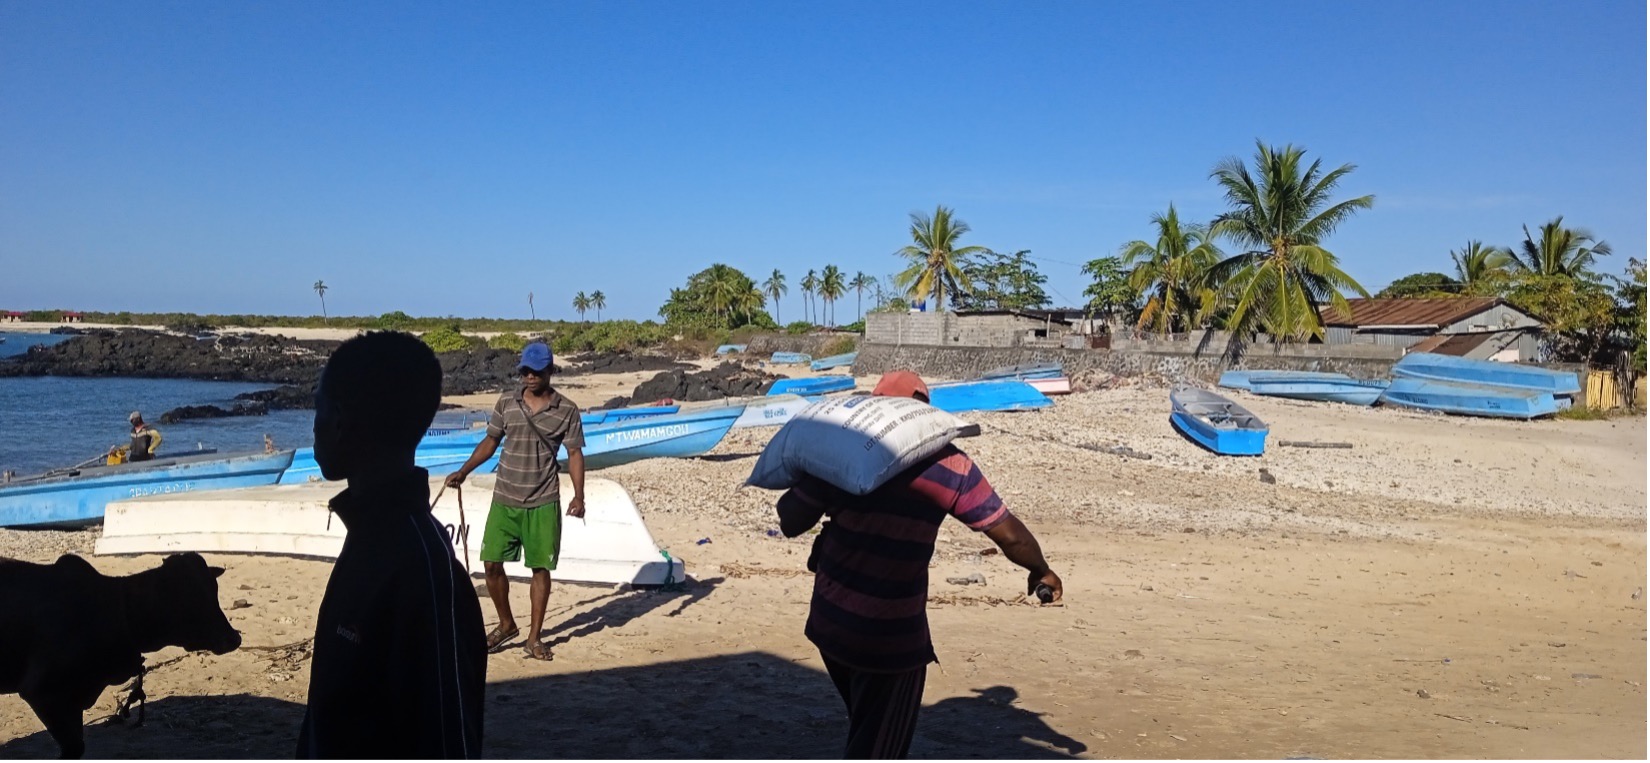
{"points": [[1021, 547], [799, 511], [154, 440], [575, 470], [484, 450]]}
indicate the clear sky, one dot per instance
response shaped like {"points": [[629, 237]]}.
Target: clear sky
{"points": [[448, 158]]}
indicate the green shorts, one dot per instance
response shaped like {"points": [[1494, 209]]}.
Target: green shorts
{"points": [[512, 533]]}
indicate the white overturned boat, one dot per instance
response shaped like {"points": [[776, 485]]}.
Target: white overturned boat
{"points": [[611, 544]]}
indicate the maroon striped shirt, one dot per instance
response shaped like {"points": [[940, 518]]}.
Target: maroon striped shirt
{"points": [[870, 601]]}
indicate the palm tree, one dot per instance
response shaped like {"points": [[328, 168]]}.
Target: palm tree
{"points": [[1476, 265], [860, 283], [1281, 217], [934, 257], [775, 287], [320, 288], [810, 283], [1172, 272], [1560, 251], [581, 303], [535, 313], [832, 286], [724, 289], [598, 300]]}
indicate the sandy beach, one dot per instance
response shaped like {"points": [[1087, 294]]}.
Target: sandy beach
{"points": [[1446, 587]]}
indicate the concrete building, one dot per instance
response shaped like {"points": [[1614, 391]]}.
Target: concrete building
{"points": [[1481, 328], [971, 328]]}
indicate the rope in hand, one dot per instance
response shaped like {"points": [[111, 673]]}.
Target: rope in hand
{"points": [[463, 531]]}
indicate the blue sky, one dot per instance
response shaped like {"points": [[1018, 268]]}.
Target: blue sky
{"points": [[449, 158]]}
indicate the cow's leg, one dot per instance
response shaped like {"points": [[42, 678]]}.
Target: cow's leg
{"points": [[64, 721]]}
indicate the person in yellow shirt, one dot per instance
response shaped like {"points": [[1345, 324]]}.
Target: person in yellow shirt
{"points": [[145, 439]]}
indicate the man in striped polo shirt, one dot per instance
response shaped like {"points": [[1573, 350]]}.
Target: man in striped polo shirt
{"points": [[869, 614], [524, 523]]}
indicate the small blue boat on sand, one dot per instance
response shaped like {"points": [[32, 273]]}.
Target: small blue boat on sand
{"points": [[727, 348], [1244, 380], [790, 358], [1456, 370], [986, 395], [811, 385], [1216, 423], [1025, 371], [1345, 390], [78, 496], [1471, 399], [671, 435], [834, 361]]}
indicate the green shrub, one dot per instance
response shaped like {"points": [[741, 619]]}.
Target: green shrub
{"points": [[858, 327], [798, 327], [838, 346], [445, 339], [508, 341], [394, 320]]}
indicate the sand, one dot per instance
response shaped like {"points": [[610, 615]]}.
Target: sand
{"points": [[1446, 588]]}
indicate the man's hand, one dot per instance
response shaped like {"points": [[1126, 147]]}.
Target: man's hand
{"points": [[575, 507], [456, 478], [1047, 578]]}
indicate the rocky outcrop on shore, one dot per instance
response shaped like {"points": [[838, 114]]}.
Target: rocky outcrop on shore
{"points": [[726, 380]]}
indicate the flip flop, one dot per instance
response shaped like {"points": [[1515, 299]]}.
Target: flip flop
{"points": [[543, 654], [498, 639]]}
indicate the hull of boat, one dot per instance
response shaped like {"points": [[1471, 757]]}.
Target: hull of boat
{"points": [[1349, 391], [790, 358], [1470, 399], [816, 385], [1054, 385], [610, 545], [727, 348], [80, 497], [834, 361], [1025, 371], [1216, 423], [1244, 380], [987, 395], [1451, 369], [772, 411]]}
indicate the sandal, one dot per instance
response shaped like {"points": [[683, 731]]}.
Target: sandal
{"points": [[498, 639], [543, 652]]}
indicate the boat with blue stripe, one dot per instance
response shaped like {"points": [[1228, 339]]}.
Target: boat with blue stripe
{"points": [[1025, 371], [986, 395], [1471, 399], [1456, 370], [790, 358], [1344, 390], [811, 385], [77, 496], [1245, 379], [834, 361], [1216, 423]]}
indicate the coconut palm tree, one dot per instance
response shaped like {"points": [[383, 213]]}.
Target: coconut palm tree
{"points": [[530, 309], [320, 288], [860, 283], [775, 287], [1477, 265], [1172, 273], [935, 257], [598, 300], [832, 285], [1281, 215], [810, 284], [581, 303], [1560, 251]]}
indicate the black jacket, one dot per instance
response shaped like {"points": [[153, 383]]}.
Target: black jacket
{"points": [[400, 659]]}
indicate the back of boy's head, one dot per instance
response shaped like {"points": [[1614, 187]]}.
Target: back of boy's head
{"points": [[387, 384]]}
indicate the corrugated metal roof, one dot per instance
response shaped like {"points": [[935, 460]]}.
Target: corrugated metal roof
{"points": [[1452, 344], [1431, 311]]}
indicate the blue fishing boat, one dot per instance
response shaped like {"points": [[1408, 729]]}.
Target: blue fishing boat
{"points": [[1244, 379], [790, 358], [986, 395], [77, 496], [1216, 423], [834, 361], [1470, 399], [610, 443], [611, 415], [811, 385], [727, 348], [1456, 370], [1025, 371], [1349, 391]]}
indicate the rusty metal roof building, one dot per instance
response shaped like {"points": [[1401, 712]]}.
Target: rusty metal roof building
{"points": [[1416, 313]]}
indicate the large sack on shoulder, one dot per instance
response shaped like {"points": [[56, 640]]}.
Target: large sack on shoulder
{"points": [[855, 443]]}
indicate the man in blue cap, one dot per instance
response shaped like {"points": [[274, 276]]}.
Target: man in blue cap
{"points": [[524, 523]]}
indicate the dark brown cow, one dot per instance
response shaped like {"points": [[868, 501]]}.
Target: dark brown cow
{"points": [[67, 632]]}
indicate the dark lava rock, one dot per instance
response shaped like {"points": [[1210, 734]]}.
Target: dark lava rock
{"points": [[726, 380], [621, 363], [211, 412], [155, 355], [300, 397]]}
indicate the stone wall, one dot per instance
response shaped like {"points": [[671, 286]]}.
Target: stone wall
{"points": [[763, 345], [968, 362]]}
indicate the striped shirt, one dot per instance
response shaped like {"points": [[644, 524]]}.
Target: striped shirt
{"points": [[527, 470], [870, 601]]}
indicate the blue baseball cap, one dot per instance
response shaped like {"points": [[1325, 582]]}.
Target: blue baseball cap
{"points": [[536, 356]]}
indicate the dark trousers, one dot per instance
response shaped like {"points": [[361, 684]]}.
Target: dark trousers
{"points": [[882, 709]]}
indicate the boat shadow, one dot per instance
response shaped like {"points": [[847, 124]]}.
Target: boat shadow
{"points": [[722, 458]]}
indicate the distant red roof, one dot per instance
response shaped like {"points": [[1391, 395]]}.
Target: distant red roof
{"points": [[1428, 311]]}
